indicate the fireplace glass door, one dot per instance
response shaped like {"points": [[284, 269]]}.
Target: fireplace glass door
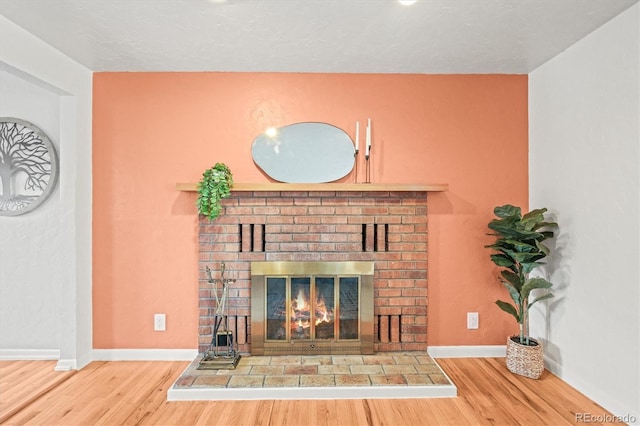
{"points": [[312, 308]]}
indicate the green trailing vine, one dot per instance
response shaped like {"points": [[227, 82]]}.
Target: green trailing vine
{"points": [[215, 185]]}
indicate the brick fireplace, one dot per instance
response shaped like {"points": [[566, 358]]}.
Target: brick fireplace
{"points": [[388, 228]]}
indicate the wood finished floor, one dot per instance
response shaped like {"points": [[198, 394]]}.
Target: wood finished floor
{"points": [[119, 393]]}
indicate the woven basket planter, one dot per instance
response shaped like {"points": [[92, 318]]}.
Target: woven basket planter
{"points": [[525, 360]]}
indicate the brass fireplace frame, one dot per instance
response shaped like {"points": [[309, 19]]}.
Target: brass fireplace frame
{"points": [[261, 270]]}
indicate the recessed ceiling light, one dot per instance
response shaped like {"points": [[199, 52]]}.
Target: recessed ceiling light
{"points": [[407, 2]]}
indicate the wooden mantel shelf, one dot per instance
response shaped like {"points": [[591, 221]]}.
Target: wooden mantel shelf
{"points": [[282, 187]]}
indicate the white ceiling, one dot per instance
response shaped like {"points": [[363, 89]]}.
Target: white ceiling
{"points": [[353, 36]]}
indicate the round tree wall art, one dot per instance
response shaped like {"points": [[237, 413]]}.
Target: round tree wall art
{"points": [[28, 166]]}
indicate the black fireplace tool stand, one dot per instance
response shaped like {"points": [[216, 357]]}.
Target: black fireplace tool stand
{"points": [[222, 353]]}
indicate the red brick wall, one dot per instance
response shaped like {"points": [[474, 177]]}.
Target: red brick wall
{"points": [[389, 228]]}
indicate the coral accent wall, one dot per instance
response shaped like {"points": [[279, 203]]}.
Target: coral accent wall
{"points": [[152, 130]]}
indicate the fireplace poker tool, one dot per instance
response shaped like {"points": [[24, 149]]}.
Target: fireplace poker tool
{"points": [[215, 358]]}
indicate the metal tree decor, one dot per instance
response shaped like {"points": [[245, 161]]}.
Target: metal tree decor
{"points": [[28, 166]]}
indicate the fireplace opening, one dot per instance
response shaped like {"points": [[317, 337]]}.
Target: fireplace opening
{"points": [[311, 307]]}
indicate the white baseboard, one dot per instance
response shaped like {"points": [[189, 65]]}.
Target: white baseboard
{"points": [[552, 366], [144, 354], [66, 365], [484, 351], [29, 354], [593, 392]]}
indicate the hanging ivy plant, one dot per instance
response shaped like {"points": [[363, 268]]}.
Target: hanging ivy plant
{"points": [[215, 185]]}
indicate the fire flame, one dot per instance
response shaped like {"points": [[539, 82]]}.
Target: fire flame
{"points": [[300, 307], [321, 308], [300, 303]]}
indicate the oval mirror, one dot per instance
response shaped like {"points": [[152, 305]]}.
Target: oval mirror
{"points": [[304, 153]]}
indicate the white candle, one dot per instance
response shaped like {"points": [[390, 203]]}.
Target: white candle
{"points": [[368, 136], [357, 135]]}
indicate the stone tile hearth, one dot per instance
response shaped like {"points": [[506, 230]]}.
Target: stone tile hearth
{"points": [[382, 375]]}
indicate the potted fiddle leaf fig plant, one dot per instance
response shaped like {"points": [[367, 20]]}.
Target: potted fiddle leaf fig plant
{"points": [[215, 185], [519, 249]]}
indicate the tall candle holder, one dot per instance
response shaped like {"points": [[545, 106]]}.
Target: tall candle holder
{"points": [[222, 352], [355, 160], [357, 149], [367, 167], [368, 152]]}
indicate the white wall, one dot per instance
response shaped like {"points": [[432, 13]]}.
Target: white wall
{"points": [[584, 130], [30, 244], [29, 59]]}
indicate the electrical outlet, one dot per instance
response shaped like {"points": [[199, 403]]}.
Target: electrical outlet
{"points": [[472, 320], [159, 322]]}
